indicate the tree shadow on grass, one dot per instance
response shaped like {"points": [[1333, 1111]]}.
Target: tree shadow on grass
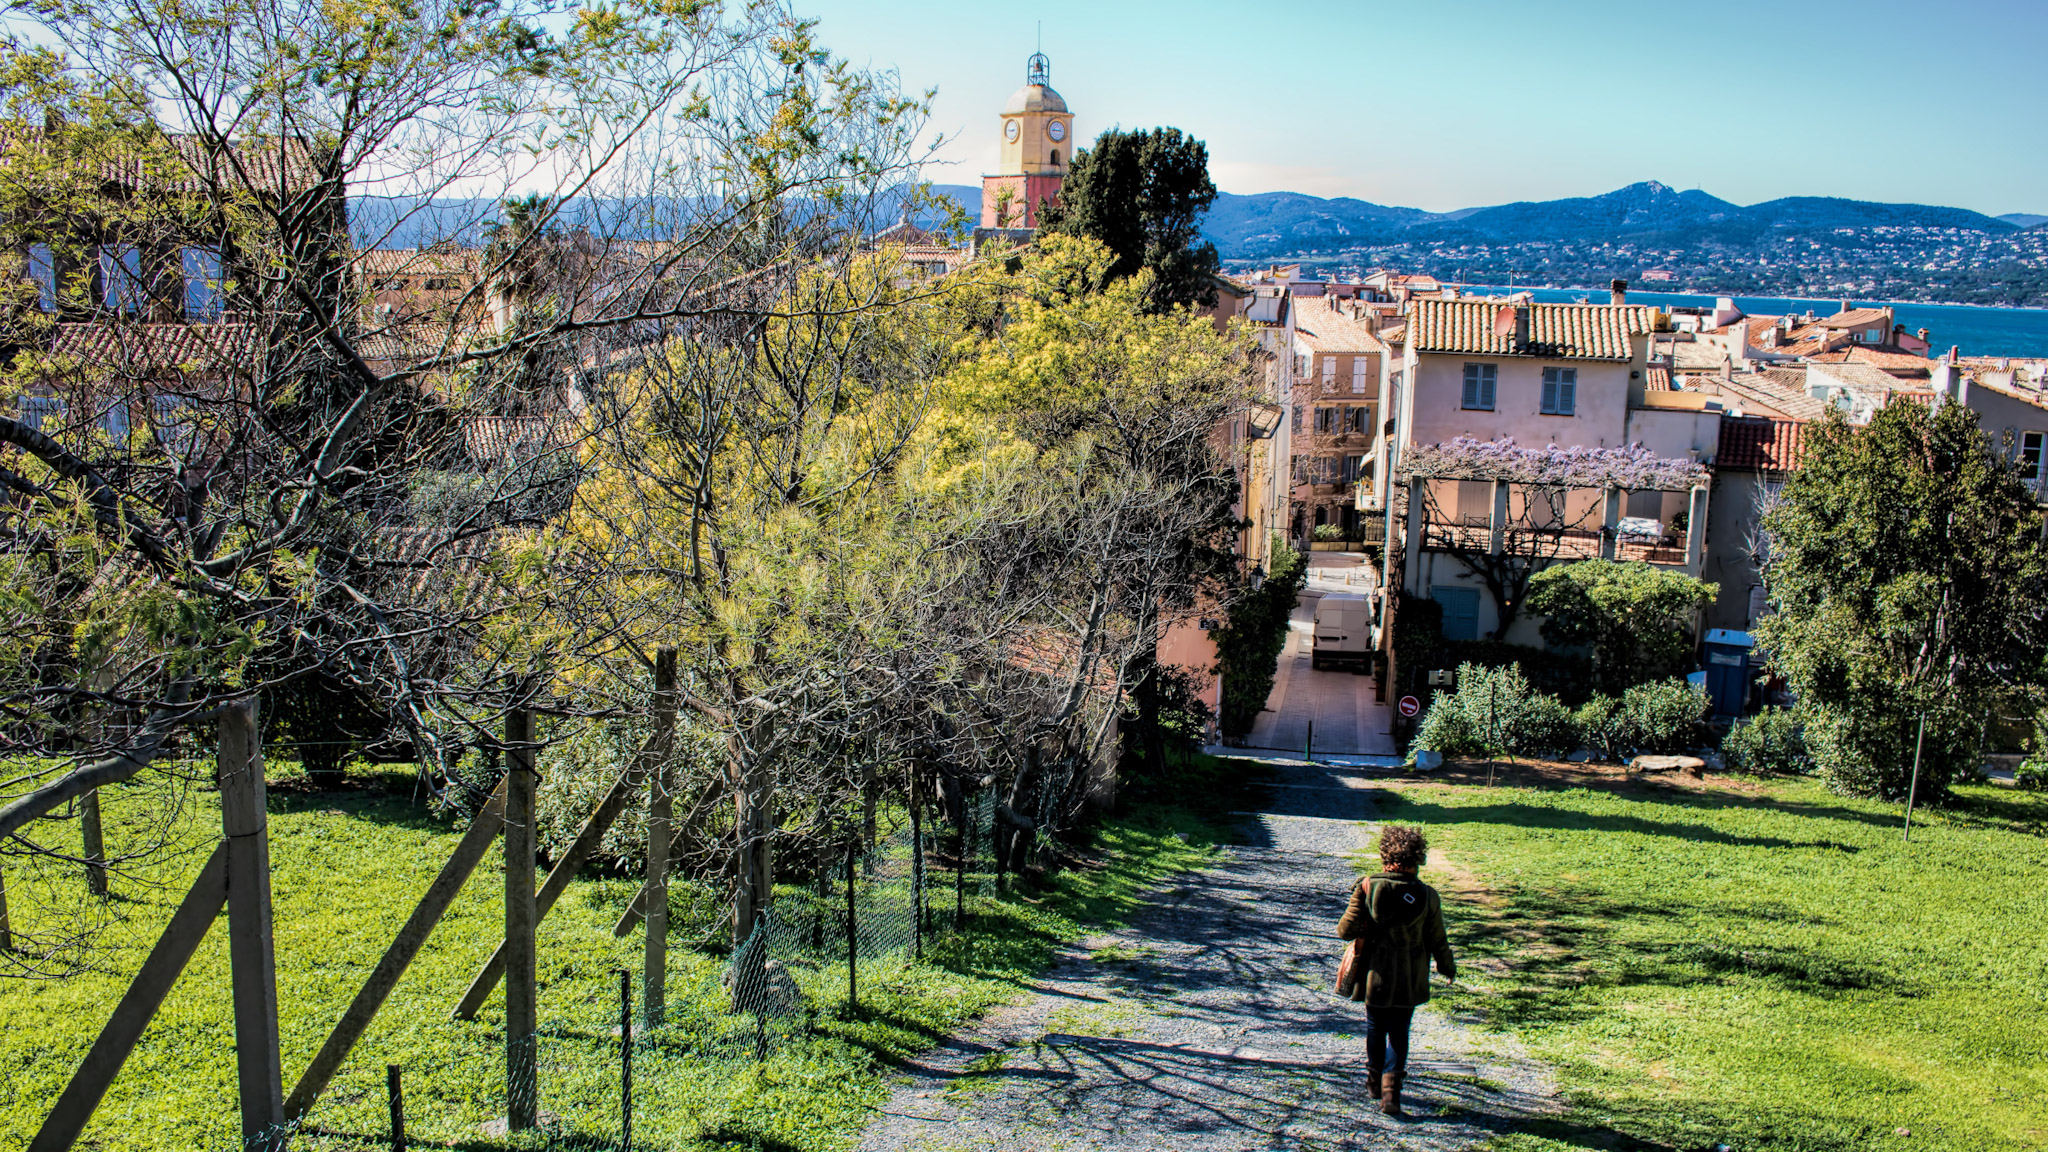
{"points": [[1713, 794], [1562, 941], [387, 809], [1516, 815]]}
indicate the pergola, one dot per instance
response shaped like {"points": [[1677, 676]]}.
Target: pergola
{"points": [[1548, 505]]}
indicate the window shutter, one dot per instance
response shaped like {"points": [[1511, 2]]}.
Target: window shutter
{"points": [[1471, 386], [1549, 391], [1486, 382], [1358, 375], [1567, 391]]}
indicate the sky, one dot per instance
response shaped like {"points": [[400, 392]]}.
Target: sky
{"points": [[1448, 104]]}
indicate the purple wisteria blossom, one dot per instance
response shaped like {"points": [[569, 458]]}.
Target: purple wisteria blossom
{"points": [[1634, 467]]}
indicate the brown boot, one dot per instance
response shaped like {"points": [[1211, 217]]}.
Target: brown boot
{"points": [[1372, 1080], [1390, 1094]]}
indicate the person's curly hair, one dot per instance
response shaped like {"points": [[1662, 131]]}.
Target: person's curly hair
{"points": [[1403, 847]]}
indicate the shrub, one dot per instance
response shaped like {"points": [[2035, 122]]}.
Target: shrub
{"points": [[1328, 532], [321, 721], [1662, 716], [1492, 711], [2032, 775], [575, 771], [1866, 747], [1599, 727], [1633, 617], [1772, 742], [1249, 644], [1447, 728], [577, 767], [1545, 727]]}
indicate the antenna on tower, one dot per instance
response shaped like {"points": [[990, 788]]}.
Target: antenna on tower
{"points": [[1038, 70]]}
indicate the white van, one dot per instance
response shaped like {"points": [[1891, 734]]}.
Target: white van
{"points": [[1343, 631]]}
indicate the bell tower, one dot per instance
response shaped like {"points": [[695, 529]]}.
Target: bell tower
{"points": [[1037, 148]]}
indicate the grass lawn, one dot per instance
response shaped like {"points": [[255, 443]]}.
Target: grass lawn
{"points": [[1760, 964], [349, 866]]}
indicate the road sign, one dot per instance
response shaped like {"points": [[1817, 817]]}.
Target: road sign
{"points": [[1409, 706]]}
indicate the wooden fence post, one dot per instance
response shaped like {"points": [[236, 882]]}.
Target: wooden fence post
{"points": [[6, 925], [394, 1096], [660, 821], [251, 945], [95, 843], [522, 1075], [588, 839]]}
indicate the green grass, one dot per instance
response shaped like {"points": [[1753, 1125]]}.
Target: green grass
{"points": [[1763, 965], [348, 867]]}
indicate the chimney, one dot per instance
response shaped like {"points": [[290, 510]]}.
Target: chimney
{"points": [[1955, 353], [1521, 327], [1843, 308], [1923, 335], [1770, 337], [1619, 289]]}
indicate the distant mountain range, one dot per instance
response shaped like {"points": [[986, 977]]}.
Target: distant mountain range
{"points": [[1804, 246], [1269, 224]]}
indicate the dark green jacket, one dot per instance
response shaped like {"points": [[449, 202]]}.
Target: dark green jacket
{"points": [[1401, 921]]}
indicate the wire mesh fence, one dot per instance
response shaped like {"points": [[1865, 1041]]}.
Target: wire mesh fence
{"points": [[609, 1079]]}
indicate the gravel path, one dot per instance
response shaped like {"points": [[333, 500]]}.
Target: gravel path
{"points": [[1209, 1024]]}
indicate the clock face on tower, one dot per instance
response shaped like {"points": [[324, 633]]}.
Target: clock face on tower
{"points": [[1009, 129], [1057, 130]]}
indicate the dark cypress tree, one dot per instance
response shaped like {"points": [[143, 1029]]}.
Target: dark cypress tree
{"points": [[1143, 194]]}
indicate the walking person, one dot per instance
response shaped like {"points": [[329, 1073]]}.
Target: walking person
{"points": [[1398, 924]]}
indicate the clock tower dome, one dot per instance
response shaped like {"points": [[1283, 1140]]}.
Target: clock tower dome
{"points": [[1038, 145]]}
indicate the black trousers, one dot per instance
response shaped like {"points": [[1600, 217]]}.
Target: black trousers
{"points": [[1386, 1036]]}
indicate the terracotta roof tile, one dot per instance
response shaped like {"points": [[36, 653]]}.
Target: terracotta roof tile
{"points": [[1756, 443], [1657, 379], [150, 349], [1556, 331]]}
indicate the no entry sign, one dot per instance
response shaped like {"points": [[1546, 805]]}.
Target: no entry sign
{"points": [[1409, 706]]}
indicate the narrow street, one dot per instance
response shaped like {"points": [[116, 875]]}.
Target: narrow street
{"points": [[1340, 705]]}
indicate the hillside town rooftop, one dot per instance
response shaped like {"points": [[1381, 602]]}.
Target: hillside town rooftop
{"points": [[1555, 331]]}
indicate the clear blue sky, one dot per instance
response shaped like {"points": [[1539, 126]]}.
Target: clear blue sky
{"points": [[1445, 104]]}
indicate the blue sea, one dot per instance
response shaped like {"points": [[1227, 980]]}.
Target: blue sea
{"points": [[1977, 331]]}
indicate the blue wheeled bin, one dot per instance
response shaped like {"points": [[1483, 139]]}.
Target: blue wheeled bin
{"points": [[1728, 671]]}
